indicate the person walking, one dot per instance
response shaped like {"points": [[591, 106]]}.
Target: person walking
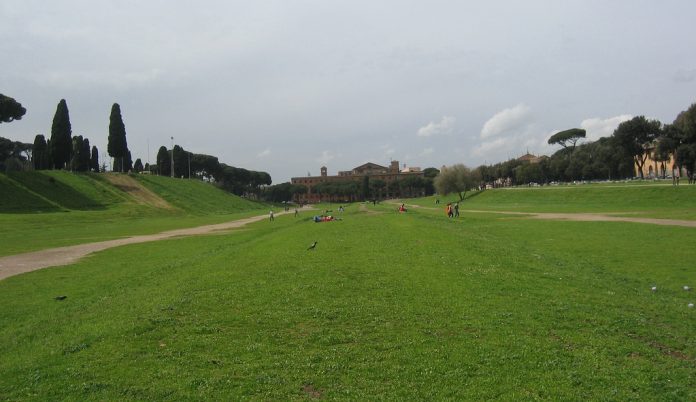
{"points": [[295, 212], [456, 210], [270, 216], [448, 209]]}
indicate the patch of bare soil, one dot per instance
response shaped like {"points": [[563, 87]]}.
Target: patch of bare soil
{"points": [[667, 351], [137, 191], [311, 391]]}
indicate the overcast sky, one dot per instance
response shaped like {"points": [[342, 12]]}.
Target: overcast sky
{"points": [[288, 86]]}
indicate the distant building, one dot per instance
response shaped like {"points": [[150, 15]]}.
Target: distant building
{"points": [[530, 158], [374, 171], [653, 169]]}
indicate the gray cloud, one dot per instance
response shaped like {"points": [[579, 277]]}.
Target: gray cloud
{"points": [[234, 78]]}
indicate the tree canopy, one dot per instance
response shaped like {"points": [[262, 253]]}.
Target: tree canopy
{"points": [[567, 138], [635, 136], [456, 179], [10, 109]]}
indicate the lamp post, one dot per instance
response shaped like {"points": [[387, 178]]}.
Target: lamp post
{"points": [[172, 158], [189, 160]]}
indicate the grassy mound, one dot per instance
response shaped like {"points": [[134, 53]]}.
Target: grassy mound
{"points": [[660, 201], [194, 196], [67, 190], [14, 198], [56, 208]]}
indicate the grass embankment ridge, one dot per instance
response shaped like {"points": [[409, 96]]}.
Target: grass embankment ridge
{"points": [[655, 201], [55, 208], [388, 306]]}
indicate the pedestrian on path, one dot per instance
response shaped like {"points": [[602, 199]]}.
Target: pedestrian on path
{"points": [[456, 210], [270, 216]]}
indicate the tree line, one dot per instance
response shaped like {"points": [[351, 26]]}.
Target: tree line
{"points": [[368, 188], [65, 151], [609, 158]]}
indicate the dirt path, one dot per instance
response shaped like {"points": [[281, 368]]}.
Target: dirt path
{"points": [[579, 217], [20, 263]]}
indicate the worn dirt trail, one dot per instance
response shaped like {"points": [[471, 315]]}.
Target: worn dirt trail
{"points": [[20, 263], [580, 217]]}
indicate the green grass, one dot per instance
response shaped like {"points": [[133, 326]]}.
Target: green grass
{"points": [[389, 306], [47, 209], [658, 201], [17, 199], [194, 196], [70, 191]]}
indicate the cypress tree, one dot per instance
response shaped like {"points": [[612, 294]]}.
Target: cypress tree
{"points": [[117, 147], [77, 142], [40, 153], [163, 162], [61, 136], [84, 156], [94, 159]]}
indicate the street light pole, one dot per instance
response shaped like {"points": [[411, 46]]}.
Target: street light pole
{"points": [[189, 160], [172, 159]]}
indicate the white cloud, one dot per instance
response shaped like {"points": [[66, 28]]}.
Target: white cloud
{"points": [[507, 121], [325, 157], [264, 153], [444, 126], [597, 128]]}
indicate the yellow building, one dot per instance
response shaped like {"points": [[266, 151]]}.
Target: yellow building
{"points": [[653, 169]]}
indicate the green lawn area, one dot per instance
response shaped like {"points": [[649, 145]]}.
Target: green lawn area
{"points": [[387, 307], [644, 200], [55, 208]]}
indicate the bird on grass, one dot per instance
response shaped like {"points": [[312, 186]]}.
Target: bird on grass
{"points": [[59, 298], [312, 246]]}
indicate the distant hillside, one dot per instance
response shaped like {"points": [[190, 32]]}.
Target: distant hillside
{"points": [[53, 191]]}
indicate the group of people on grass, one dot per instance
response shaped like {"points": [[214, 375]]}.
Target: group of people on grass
{"points": [[452, 210]]}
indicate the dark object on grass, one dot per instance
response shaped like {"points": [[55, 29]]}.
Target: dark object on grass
{"points": [[312, 246], [59, 298]]}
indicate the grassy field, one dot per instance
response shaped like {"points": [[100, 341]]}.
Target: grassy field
{"points": [[388, 306], [54, 208], [645, 200]]}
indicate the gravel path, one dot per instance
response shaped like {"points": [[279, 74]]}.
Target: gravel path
{"points": [[20, 263]]}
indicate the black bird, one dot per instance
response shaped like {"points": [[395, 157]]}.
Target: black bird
{"points": [[312, 246], [60, 297]]}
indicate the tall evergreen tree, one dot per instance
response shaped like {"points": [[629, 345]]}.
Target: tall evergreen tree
{"points": [[94, 159], [61, 136], [138, 166], [163, 161], [117, 147], [84, 156], [40, 153], [128, 162], [77, 142]]}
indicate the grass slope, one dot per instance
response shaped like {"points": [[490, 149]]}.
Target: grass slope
{"points": [[659, 201], [195, 196], [56, 208], [388, 306]]}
